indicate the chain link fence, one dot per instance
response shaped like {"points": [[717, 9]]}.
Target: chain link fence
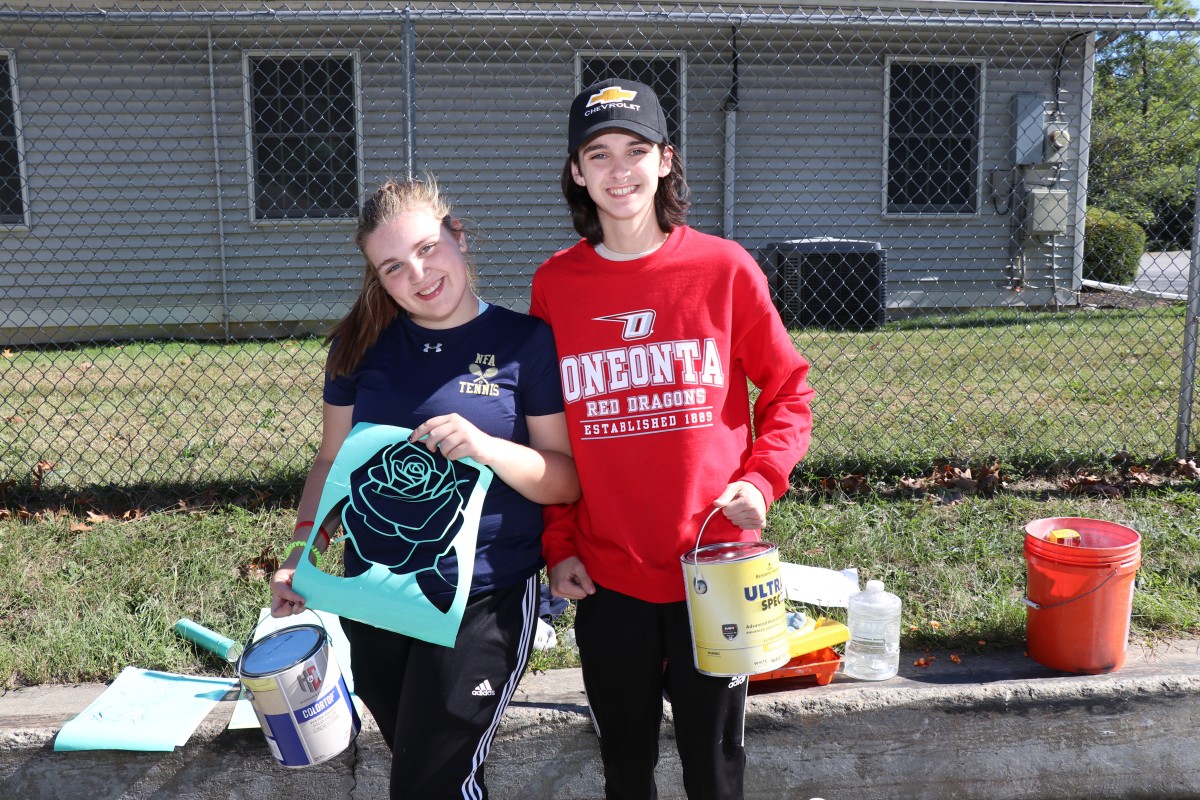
{"points": [[978, 224]]}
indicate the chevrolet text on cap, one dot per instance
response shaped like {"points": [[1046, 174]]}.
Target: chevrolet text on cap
{"points": [[616, 104], [613, 94]]}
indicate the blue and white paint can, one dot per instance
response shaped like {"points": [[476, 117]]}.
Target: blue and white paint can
{"points": [[299, 695]]}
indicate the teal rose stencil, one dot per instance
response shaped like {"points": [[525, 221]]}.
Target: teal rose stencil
{"points": [[405, 509]]}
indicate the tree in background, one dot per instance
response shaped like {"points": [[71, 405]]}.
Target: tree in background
{"points": [[1146, 128]]}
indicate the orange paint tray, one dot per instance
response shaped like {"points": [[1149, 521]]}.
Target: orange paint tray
{"points": [[817, 666]]}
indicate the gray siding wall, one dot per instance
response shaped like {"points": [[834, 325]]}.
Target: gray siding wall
{"points": [[126, 238], [825, 178]]}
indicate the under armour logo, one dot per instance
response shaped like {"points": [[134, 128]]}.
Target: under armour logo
{"points": [[430, 347], [638, 324]]}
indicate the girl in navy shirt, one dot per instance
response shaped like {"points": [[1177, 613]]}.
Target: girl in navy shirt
{"points": [[420, 350]]}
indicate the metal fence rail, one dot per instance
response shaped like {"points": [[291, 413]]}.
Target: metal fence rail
{"points": [[922, 188]]}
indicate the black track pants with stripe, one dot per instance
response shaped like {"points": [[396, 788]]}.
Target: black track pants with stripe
{"points": [[623, 644], [438, 707]]}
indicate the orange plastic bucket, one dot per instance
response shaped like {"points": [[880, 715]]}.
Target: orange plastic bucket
{"points": [[1079, 593]]}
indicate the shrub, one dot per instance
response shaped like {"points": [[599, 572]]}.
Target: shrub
{"points": [[1112, 247]]}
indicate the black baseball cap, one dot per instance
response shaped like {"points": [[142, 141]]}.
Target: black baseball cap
{"points": [[620, 104]]}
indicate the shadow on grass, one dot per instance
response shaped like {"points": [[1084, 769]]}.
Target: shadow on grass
{"points": [[148, 497], [1042, 480], [1052, 480]]}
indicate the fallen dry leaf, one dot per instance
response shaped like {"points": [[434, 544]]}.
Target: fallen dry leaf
{"points": [[989, 478], [954, 657], [1187, 468], [80, 527], [94, 518], [1087, 483], [260, 567], [850, 484], [41, 468], [8, 353], [1141, 476]]}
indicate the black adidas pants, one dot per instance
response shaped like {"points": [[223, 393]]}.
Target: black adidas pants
{"points": [[438, 707], [623, 643]]}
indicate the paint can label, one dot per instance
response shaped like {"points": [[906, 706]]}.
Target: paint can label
{"points": [[305, 710], [736, 606]]}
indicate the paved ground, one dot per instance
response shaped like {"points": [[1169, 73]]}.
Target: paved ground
{"points": [[991, 726], [1165, 274]]}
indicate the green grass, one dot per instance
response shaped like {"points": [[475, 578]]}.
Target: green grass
{"points": [[81, 605], [168, 472], [1032, 389], [168, 413]]}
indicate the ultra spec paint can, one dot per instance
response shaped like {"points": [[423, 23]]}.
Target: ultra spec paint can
{"points": [[299, 695], [735, 605]]}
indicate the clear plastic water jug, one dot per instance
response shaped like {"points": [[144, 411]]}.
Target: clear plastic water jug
{"points": [[873, 617]]}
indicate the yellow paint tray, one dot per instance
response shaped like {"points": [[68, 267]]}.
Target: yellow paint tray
{"points": [[826, 633]]}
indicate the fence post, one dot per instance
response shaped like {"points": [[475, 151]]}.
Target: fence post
{"points": [[1190, 333], [410, 90], [219, 180]]}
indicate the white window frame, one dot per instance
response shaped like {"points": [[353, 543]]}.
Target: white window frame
{"points": [[248, 105], [887, 105], [665, 55], [26, 223]]}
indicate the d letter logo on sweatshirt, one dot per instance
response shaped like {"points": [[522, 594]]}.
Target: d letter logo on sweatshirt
{"points": [[638, 324], [645, 388]]}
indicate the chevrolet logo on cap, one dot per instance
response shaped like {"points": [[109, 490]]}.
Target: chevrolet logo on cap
{"points": [[613, 94]]}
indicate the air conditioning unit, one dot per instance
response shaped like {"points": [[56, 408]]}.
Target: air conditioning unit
{"points": [[830, 283]]}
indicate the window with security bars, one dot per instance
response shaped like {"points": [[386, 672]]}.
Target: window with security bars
{"points": [[661, 72], [304, 136], [12, 204], [933, 137]]}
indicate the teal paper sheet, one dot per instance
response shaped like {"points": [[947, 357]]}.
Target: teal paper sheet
{"points": [[384, 489], [144, 710]]}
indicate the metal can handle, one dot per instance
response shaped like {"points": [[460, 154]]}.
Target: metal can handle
{"points": [[699, 582]]}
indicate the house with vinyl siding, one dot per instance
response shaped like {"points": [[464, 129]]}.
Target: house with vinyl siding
{"points": [[193, 170]]}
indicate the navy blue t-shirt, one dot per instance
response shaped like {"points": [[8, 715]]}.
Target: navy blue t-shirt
{"points": [[495, 370]]}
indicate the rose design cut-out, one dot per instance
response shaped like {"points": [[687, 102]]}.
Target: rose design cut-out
{"points": [[406, 505]]}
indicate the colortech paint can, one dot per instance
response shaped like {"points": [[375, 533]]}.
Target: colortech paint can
{"points": [[297, 690], [735, 604]]}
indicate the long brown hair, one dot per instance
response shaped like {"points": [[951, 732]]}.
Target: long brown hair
{"points": [[670, 200], [374, 309]]}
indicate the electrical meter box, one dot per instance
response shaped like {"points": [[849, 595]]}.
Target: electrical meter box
{"points": [[1029, 129], [1046, 211]]}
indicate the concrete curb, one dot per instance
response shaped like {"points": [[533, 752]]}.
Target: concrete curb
{"points": [[995, 726]]}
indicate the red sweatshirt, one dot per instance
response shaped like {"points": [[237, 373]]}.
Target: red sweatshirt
{"points": [[654, 356]]}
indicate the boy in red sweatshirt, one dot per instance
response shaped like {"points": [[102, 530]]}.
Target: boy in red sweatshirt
{"points": [[658, 328]]}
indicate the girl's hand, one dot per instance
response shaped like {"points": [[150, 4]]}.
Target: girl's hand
{"points": [[743, 505], [284, 601], [456, 437], [570, 579]]}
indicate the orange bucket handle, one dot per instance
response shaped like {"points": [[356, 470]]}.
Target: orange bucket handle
{"points": [[1097, 587]]}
